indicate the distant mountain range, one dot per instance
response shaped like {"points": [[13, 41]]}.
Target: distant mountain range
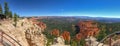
{"points": [[100, 19], [74, 18]]}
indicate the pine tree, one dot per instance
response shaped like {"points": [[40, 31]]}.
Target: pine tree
{"points": [[10, 14], [102, 33], [15, 19], [1, 11], [73, 43], [6, 8]]}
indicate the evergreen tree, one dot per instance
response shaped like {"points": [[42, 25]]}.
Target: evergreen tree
{"points": [[82, 42], [102, 33], [1, 11], [15, 19], [10, 14], [73, 43], [6, 8]]}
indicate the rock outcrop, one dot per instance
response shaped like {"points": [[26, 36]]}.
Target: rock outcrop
{"points": [[66, 35], [55, 32], [59, 41], [116, 43], [92, 41], [27, 33], [86, 28]]}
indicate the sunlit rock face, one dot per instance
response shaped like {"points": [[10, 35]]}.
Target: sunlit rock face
{"points": [[55, 32], [86, 29], [91, 41], [40, 24], [116, 43], [27, 33], [34, 34], [66, 35], [59, 41]]}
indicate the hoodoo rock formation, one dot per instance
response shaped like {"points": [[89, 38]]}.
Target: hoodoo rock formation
{"points": [[66, 35], [55, 32], [40, 24], [86, 29]]}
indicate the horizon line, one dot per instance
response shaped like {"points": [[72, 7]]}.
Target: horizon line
{"points": [[73, 16]]}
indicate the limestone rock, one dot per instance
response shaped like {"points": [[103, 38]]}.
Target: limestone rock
{"points": [[59, 41], [26, 32], [91, 41]]}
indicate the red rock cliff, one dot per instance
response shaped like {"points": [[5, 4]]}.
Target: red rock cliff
{"points": [[86, 29]]}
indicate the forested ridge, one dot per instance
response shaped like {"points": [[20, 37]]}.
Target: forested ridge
{"points": [[66, 24]]}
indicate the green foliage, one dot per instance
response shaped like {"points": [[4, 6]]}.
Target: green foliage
{"points": [[101, 36], [1, 11], [63, 24], [10, 14], [77, 43], [49, 41], [6, 8], [49, 37], [15, 19], [82, 42], [67, 42], [6, 11], [73, 43], [105, 29]]}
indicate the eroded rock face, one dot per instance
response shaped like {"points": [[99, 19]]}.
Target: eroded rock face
{"points": [[35, 37], [78, 36], [59, 41], [91, 41], [40, 24], [86, 29], [55, 32], [34, 34], [116, 43], [66, 35], [27, 33]]}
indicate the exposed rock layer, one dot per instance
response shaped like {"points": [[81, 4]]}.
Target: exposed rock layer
{"points": [[27, 33], [86, 29]]}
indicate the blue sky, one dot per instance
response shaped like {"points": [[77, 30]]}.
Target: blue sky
{"points": [[93, 8]]}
